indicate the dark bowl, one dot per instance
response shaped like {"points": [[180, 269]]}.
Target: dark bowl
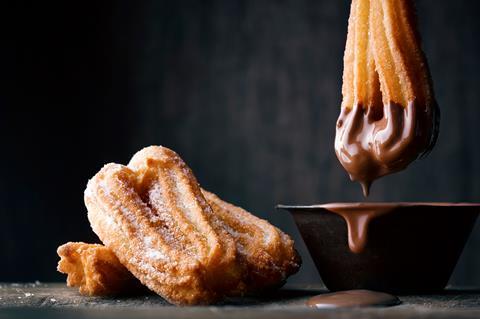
{"points": [[411, 249]]}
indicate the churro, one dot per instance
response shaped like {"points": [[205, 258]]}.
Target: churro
{"points": [[389, 116], [95, 270], [154, 218], [268, 253]]}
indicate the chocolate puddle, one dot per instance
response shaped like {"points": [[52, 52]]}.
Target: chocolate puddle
{"points": [[353, 298], [374, 142]]}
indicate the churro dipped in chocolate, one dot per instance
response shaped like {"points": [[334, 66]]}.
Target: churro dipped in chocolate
{"points": [[389, 116]]}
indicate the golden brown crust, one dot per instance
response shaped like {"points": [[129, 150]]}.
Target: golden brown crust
{"points": [[153, 216], [95, 270], [383, 60], [268, 253], [225, 272]]}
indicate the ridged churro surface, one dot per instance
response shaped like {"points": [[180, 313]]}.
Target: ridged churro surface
{"points": [[154, 218], [267, 252]]}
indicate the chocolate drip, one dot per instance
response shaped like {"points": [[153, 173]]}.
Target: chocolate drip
{"points": [[370, 144], [358, 216], [353, 298]]}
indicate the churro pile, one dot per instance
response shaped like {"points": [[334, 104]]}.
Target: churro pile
{"points": [[180, 241]]}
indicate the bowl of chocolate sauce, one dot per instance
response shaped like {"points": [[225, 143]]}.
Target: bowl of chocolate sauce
{"points": [[399, 248]]}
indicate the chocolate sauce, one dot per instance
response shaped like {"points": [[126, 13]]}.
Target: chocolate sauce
{"points": [[370, 144], [353, 298], [359, 215]]}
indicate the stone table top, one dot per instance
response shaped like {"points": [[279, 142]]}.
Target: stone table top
{"points": [[56, 300]]}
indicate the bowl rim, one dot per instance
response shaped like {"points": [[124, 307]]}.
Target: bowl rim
{"points": [[376, 205]]}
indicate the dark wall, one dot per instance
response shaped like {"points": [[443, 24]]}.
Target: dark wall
{"points": [[247, 92]]}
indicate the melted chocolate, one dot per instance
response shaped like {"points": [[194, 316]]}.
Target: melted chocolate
{"points": [[353, 298], [358, 216], [370, 144]]}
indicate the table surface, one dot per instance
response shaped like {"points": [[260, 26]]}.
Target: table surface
{"points": [[55, 300]]}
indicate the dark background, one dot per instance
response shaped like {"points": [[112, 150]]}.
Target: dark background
{"points": [[247, 92]]}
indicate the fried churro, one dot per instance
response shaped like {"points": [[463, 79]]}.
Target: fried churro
{"points": [[389, 116], [179, 240], [154, 218], [95, 270]]}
